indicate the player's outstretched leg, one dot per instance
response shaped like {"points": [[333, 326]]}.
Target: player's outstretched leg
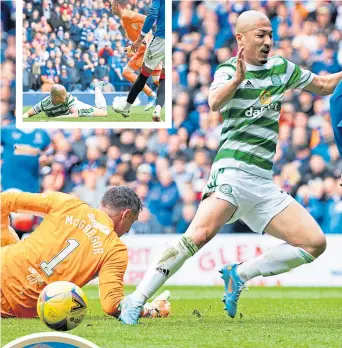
{"points": [[100, 100], [137, 87], [131, 76], [212, 213], [305, 242], [160, 99], [233, 285], [151, 102]]}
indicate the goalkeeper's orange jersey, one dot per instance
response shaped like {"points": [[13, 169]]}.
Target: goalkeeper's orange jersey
{"points": [[132, 22], [74, 243]]}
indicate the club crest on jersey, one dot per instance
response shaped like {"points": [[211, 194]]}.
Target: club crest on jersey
{"points": [[276, 81], [149, 54], [226, 189], [265, 97]]}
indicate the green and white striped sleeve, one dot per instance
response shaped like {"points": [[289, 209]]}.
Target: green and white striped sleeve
{"points": [[39, 106], [298, 77], [223, 74], [71, 102]]}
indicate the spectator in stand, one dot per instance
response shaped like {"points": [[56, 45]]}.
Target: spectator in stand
{"points": [[90, 192], [162, 199], [102, 70], [52, 26], [188, 213], [147, 224]]}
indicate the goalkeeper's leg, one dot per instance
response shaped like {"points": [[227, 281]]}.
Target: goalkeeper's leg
{"points": [[130, 75], [211, 215]]}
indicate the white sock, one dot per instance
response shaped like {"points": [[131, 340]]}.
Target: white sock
{"points": [[100, 100], [157, 109], [127, 106], [168, 264], [280, 259]]}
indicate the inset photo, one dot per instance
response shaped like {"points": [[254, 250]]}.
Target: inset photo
{"points": [[93, 64]]}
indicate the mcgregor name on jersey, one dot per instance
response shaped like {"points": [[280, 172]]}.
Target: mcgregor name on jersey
{"points": [[89, 230]]}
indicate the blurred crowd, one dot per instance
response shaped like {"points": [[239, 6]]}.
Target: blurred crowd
{"points": [[169, 168], [7, 61], [308, 33], [73, 42]]}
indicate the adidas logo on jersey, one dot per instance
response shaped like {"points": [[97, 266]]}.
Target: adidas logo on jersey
{"points": [[249, 84], [163, 271]]}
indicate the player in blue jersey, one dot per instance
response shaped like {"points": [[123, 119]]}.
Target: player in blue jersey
{"points": [[336, 115], [154, 54], [20, 157], [20, 167]]}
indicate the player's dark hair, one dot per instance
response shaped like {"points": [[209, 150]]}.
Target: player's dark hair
{"points": [[122, 197]]}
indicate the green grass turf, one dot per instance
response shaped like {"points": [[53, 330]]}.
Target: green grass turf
{"points": [[137, 115], [272, 317]]}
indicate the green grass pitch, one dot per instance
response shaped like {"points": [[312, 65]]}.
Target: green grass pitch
{"points": [[271, 317], [137, 115]]}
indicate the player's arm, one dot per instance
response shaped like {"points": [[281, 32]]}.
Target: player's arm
{"points": [[225, 84], [324, 85], [111, 287], [150, 19], [34, 111], [111, 280], [73, 113], [26, 203]]}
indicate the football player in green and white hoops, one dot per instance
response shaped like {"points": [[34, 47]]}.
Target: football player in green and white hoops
{"points": [[61, 104], [248, 90]]}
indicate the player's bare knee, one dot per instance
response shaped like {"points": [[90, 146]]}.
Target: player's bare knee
{"points": [[313, 243], [316, 245]]}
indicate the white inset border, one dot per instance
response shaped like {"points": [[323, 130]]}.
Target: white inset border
{"points": [[92, 125]]}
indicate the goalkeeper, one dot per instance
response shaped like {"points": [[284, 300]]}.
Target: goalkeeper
{"points": [[75, 242]]}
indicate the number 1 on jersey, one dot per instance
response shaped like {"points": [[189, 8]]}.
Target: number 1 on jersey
{"points": [[48, 267]]}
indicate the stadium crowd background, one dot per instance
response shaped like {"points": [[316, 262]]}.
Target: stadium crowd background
{"points": [[73, 42], [7, 60], [169, 168]]}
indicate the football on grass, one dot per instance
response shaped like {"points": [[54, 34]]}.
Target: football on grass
{"points": [[62, 306]]}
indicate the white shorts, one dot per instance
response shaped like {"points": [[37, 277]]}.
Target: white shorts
{"points": [[84, 110], [257, 199], [155, 53]]}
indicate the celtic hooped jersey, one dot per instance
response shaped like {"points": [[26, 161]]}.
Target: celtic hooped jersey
{"points": [[52, 110], [251, 118]]}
